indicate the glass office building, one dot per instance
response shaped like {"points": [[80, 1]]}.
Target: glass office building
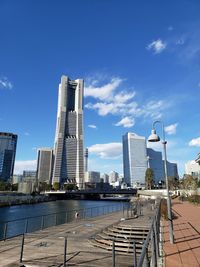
{"points": [[134, 159], [8, 144]]}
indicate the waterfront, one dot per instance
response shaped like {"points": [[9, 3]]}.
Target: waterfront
{"points": [[49, 213]]}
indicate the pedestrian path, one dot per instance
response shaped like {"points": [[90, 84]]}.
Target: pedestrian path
{"points": [[185, 252]]}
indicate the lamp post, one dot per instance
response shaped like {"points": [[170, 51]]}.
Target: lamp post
{"points": [[155, 138]]}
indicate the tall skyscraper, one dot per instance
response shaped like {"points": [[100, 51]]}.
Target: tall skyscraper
{"points": [[8, 144], [156, 164], [68, 149], [134, 159], [44, 165], [86, 159]]}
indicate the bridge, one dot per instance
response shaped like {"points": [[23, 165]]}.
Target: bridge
{"points": [[89, 193]]}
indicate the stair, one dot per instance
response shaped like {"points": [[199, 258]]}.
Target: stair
{"points": [[124, 234]]}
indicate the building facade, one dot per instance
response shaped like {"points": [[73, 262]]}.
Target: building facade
{"points": [[113, 177], [92, 177], [155, 162], [8, 145], [192, 168], [134, 159], [86, 159], [68, 148], [44, 165]]}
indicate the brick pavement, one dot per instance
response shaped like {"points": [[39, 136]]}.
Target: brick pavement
{"points": [[185, 252]]}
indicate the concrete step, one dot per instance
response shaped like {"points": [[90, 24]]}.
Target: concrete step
{"points": [[106, 244], [129, 237]]}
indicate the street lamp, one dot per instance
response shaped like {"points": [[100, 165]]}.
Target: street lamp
{"points": [[155, 138]]}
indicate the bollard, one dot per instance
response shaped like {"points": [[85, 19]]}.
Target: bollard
{"points": [[65, 252], [22, 249], [113, 253]]}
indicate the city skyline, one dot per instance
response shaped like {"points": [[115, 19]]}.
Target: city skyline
{"points": [[140, 62]]}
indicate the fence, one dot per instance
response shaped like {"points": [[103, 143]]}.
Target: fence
{"points": [[17, 227]]}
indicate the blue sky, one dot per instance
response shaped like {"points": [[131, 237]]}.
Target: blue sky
{"points": [[140, 61]]}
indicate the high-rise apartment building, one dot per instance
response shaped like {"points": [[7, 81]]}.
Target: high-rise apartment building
{"points": [[44, 165], [68, 149], [134, 159], [8, 144]]}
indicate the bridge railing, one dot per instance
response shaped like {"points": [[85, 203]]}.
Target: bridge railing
{"points": [[21, 226]]}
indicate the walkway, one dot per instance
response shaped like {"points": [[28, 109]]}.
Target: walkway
{"points": [[186, 250], [46, 247]]}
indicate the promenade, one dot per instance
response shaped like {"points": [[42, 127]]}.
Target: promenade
{"points": [[46, 248], [185, 252]]}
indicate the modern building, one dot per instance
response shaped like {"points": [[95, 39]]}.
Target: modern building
{"points": [[92, 177], [113, 177], [172, 169], [29, 173], [155, 162], [134, 159], [44, 164], [8, 145], [192, 168], [68, 148], [197, 160], [86, 160], [105, 177]]}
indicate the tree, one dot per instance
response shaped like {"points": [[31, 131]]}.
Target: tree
{"points": [[189, 182], [149, 175], [70, 187], [173, 182], [56, 186], [43, 186]]}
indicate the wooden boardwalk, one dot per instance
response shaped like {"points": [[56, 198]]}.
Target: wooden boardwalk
{"points": [[46, 247]]}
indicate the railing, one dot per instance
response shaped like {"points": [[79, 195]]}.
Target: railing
{"points": [[21, 226], [150, 253]]}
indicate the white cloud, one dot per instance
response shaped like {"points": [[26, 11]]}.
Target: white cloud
{"points": [[126, 122], [171, 129], [123, 104], [5, 83], [107, 151], [157, 46], [195, 142], [26, 133], [103, 92], [21, 165], [92, 126]]}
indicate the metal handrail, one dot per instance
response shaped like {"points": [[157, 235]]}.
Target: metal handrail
{"points": [[151, 239]]}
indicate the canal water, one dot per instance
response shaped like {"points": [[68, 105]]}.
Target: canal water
{"points": [[15, 220]]}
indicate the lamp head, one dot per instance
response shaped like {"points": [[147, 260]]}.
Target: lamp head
{"points": [[153, 137]]}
